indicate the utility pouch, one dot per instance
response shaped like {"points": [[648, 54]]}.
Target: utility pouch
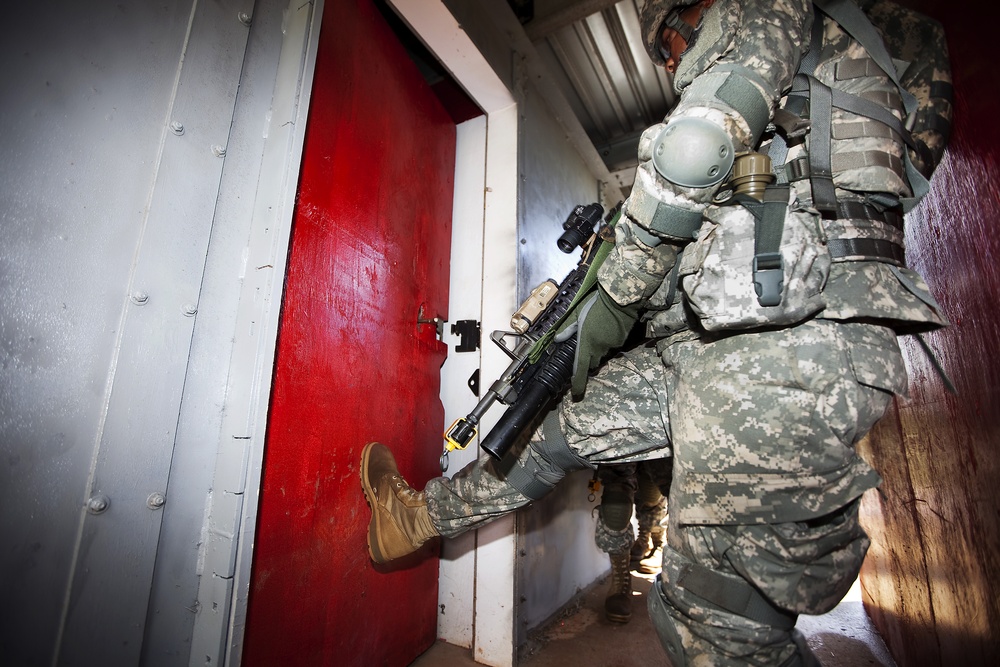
{"points": [[729, 284]]}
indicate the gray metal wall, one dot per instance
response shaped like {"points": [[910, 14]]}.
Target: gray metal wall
{"points": [[556, 552], [556, 535], [135, 136]]}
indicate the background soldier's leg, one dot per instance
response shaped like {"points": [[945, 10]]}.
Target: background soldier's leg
{"points": [[614, 536], [650, 512]]}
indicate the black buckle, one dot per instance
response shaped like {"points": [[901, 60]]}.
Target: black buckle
{"points": [[768, 276]]}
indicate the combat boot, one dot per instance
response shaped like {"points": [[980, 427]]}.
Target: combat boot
{"points": [[640, 548], [618, 604], [400, 523], [650, 562]]}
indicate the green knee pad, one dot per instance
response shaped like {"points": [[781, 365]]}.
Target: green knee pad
{"points": [[615, 509]]}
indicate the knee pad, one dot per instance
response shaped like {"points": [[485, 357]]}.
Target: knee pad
{"points": [[663, 623], [544, 463], [615, 509]]}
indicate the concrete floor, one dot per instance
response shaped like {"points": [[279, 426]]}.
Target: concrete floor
{"points": [[580, 635]]}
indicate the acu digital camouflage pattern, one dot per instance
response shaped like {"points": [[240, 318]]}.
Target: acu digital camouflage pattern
{"points": [[766, 478], [867, 159], [716, 272], [764, 421], [621, 419], [919, 42]]}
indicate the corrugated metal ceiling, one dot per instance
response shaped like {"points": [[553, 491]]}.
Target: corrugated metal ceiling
{"points": [[591, 48]]}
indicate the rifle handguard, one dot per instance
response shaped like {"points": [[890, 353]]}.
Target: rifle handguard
{"points": [[548, 383]]}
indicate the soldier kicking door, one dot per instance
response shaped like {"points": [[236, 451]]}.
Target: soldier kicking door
{"points": [[358, 356]]}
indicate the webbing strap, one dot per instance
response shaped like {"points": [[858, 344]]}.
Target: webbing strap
{"points": [[680, 223], [879, 250], [530, 478], [854, 210], [526, 481], [801, 168], [733, 595], [675, 23], [861, 129], [769, 225], [820, 168], [557, 450], [738, 92], [794, 105], [853, 20], [589, 280]]}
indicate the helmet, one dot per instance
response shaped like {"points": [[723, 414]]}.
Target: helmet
{"points": [[652, 16]]}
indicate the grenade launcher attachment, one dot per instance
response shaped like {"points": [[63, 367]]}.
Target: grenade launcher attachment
{"points": [[540, 368]]}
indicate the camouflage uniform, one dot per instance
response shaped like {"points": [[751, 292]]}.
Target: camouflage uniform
{"points": [[621, 420], [766, 403]]}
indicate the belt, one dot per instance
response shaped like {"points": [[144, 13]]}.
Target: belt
{"points": [[872, 249], [858, 210]]}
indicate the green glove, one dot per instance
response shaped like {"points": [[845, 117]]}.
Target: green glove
{"points": [[601, 325]]}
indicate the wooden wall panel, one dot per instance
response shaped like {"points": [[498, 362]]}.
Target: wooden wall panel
{"points": [[931, 580]]}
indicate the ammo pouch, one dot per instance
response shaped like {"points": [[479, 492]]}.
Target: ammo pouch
{"points": [[731, 282]]}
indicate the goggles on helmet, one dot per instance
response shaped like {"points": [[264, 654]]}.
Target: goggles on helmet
{"points": [[674, 22]]}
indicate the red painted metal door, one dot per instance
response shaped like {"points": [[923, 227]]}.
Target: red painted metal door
{"points": [[369, 254]]}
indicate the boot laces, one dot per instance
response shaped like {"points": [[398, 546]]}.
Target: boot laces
{"points": [[621, 577]]}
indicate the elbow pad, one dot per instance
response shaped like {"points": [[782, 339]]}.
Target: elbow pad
{"points": [[692, 152]]}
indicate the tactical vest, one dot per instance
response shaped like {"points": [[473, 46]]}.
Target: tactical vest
{"points": [[849, 124], [850, 141], [845, 140]]}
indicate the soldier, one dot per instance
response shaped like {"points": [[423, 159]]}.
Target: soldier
{"points": [[643, 486], [775, 298]]}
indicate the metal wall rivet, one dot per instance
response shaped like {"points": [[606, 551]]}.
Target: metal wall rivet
{"points": [[189, 310], [139, 297], [220, 151], [155, 501], [245, 18], [176, 128], [98, 504]]}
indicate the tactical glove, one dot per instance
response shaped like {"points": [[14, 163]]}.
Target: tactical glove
{"points": [[601, 325]]}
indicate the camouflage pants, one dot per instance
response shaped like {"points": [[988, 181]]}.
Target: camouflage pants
{"points": [[621, 419], [764, 502], [763, 521], [640, 485]]}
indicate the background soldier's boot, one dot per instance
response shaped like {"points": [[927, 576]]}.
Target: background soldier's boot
{"points": [[650, 562], [400, 523], [618, 604], [640, 548]]}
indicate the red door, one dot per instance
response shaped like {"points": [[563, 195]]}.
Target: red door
{"points": [[370, 249]]}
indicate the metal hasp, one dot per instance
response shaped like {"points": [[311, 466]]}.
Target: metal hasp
{"points": [[437, 321]]}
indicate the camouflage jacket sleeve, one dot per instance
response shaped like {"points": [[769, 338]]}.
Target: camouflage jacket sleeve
{"points": [[732, 74], [919, 42]]}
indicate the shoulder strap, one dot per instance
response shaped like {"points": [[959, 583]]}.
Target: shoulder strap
{"points": [[854, 21]]}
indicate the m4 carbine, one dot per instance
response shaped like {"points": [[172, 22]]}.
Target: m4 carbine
{"points": [[541, 367]]}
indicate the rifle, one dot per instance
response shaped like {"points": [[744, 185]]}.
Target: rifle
{"points": [[540, 367]]}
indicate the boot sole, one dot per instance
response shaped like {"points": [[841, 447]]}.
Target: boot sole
{"points": [[373, 526], [615, 618]]}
